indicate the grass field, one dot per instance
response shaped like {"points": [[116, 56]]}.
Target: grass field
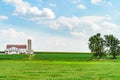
{"points": [[57, 67]]}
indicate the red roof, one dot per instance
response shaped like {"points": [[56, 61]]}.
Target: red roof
{"points": [[17, 46]]}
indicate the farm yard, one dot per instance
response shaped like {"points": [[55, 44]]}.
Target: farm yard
{"points": [[57, 66]]}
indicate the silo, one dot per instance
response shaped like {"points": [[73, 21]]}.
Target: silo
{"points": [[29, 46]]}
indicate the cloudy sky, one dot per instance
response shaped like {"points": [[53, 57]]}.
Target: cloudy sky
{"points": [[57, 25]]}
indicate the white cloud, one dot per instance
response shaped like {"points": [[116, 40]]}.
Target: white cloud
{"points": [[79, 27], [96, 1], [12, 36], [52, 4], [82, 7], [25, 10], [79, 34], [95, 27], [92, 18], [109, 25], [55, 43], [105, 2], [3, 17], [89, 22]]}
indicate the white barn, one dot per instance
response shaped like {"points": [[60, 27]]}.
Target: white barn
{"points": [[16, 49]]}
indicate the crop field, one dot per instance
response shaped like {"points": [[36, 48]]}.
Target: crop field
{"points": [[49, 56], [57, 66]]}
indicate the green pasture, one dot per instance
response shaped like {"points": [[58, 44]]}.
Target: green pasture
{"points": [[58, 66], [59, 70]]}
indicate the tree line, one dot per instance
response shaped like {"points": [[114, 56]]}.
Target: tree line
{"points": [[106, 45]]}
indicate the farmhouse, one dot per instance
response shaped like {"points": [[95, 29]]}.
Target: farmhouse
{"points": [[19, 49]]}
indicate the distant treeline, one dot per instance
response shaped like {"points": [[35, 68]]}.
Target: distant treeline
{"points": [[62, 52]]}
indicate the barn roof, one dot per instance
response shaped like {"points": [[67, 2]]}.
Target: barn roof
{"points": [[17, 46]]}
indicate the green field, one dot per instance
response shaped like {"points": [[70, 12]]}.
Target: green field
{"points": [[61, 66], [49, 56]]}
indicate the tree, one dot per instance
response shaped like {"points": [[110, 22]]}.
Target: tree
{"points": [[96, 45], [112, 44]]}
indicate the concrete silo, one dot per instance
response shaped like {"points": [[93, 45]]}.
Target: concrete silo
{"points": [[29, 51]]}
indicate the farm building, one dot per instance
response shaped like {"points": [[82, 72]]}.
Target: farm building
{"points": [[19, 49], [16, 49]]}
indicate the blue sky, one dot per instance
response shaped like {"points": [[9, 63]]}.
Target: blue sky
{"points": [[57, 25]]}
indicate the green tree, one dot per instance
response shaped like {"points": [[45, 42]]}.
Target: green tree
{"points": [[96, 45], [112, 45]]}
